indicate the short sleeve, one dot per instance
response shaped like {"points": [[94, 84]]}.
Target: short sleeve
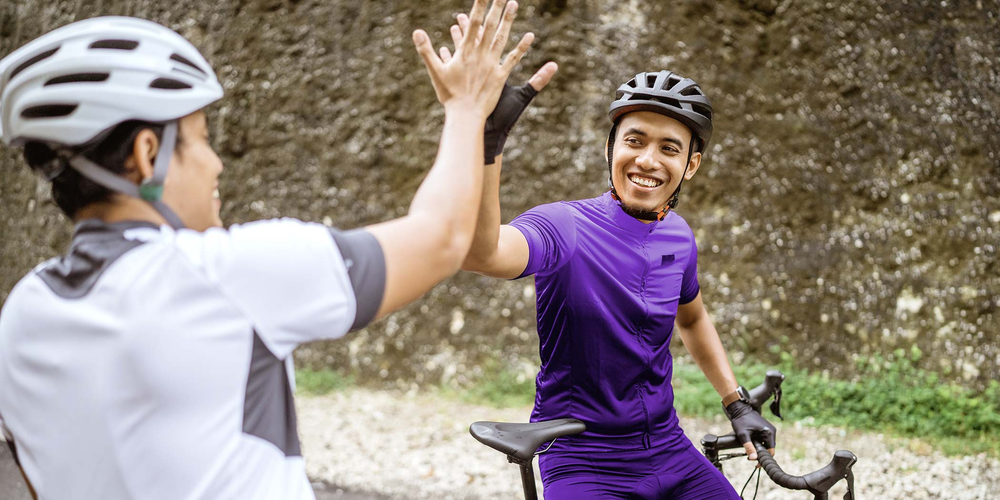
{"points": [[365, 264], [287, 276], [550, 231], [689, 283]]}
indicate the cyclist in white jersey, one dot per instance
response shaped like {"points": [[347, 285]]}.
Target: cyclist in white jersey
{"points": [[153, 360]]}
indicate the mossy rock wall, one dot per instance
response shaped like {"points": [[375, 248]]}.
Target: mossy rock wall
{"points": [[849, 205]]}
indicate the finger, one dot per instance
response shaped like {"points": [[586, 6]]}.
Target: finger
{"points": [[445, 55], [425, 49], [492, 20], [543, 76], [503, 31], [456, 35], [515, 55], [751, 451], [463, 22], [427, 54], [475, 20], [771, 451]]}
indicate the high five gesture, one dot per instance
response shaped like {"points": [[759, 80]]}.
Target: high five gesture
{"points": [[473, 77]]}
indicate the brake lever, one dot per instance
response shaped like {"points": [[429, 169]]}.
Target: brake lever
{"points": [[776, 404], [850, 485]]}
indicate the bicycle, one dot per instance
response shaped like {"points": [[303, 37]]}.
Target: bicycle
{"points": [[521, 441]]}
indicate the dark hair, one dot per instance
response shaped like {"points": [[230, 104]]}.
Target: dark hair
{"points": [[71, 190]]}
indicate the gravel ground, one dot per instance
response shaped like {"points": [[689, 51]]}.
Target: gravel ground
{"points": [[417, 446]]}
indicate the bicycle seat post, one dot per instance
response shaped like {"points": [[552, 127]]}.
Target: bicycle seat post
{"points": [[527, 479]]}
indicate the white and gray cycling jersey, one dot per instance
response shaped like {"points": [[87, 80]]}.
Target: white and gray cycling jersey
{"points": [[149, 363]]}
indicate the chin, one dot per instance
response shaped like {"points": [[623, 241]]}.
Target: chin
{"points": [[643, 203]]}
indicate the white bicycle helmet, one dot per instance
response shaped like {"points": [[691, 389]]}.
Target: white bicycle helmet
{"points": [[70, 85]]}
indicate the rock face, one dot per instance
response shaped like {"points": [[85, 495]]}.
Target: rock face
{"points": [[849, 203]]}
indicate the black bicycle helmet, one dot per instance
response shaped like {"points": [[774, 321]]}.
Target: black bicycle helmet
{"points": [[668, 94], [671, 95]]}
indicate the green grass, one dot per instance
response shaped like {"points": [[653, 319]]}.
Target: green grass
{"points": [[890, 395], [501, 390], [319, 382]]}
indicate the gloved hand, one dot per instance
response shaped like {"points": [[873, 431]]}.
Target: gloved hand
{"points": [[748, 424], [513, 101]]}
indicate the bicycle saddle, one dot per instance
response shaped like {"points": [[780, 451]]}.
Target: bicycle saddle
{"points": [[521, 440]]}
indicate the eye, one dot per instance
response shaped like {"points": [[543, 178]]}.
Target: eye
{"points": [[631, 140], [669, 150]]}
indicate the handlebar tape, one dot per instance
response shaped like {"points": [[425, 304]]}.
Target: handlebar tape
{"points": [[774, 471]]}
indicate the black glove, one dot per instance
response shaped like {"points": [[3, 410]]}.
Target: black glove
{"points": [[513, 101], [748, 424]]}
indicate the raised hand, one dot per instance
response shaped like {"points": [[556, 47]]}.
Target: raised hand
{"points": [[473, 77], [513, 100]]}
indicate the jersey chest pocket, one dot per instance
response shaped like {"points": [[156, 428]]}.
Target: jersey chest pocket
{"points": [[665, 276]]}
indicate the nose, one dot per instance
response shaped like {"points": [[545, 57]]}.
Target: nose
{"points": [[646, 159]]}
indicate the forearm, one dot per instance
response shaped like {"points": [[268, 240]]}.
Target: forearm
{"points": [[486, 237], [451, 191], [702, 341]]}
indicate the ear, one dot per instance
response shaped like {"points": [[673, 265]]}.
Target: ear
{"points": [[139, 166], [693, 166]]}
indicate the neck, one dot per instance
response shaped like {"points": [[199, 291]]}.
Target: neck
{"points": [[120, 208]]}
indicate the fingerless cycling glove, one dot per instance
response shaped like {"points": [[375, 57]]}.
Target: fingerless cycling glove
{"points": [[513, 101]]}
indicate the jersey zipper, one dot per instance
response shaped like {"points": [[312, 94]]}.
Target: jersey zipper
{"points": [[641, 389]]}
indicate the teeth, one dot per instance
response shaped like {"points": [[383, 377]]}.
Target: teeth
{"points": [[644, 181]]}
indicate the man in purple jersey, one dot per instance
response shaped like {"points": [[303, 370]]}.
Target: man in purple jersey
{"points": [[613, 274]]}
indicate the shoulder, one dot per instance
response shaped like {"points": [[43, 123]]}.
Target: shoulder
{"points": [[264, 236], [258, 248], [555, 211]]}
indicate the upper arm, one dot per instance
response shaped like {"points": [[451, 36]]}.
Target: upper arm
{"points": [[690, 313], [510, 258], [419, 253], [287, 276]]}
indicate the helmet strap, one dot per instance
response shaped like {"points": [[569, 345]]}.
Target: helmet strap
{"points": [[151, 189]]}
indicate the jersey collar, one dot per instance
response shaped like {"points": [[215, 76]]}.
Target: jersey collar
{"points": [[614, 211]]}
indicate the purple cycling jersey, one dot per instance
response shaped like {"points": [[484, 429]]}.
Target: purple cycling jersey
{"points": [[607, 287]]}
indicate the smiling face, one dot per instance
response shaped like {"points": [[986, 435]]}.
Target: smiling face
{"points": [[191, 188], [650, 151]]}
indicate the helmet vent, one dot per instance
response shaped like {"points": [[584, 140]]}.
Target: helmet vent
{"points": [[650, 80], [664, 100], [33, 60], [168, 84], [79, 77], [48, 111], [672, 81], [691, 91], [192, 74], [181, 59], [115, 44], [702, 110]]}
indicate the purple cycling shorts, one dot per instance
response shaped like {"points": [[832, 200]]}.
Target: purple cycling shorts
{"points": [[669, 467]]}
